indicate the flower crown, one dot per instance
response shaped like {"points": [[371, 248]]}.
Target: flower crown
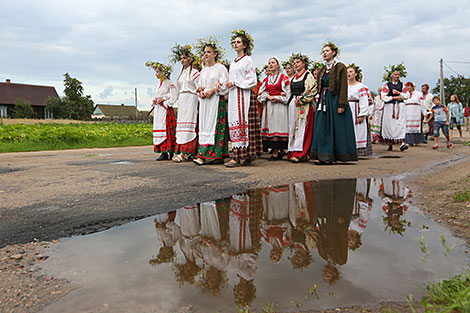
{"points": [[242, 33], [333, 47], [316, 65], [300, 56], [357, 69], [394, 68], [166, 69], [212, 42], [197, 62], [285, 63], [178, 50], [259, 72]]}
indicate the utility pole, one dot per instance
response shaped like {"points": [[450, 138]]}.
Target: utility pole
{"points": [[441, 82], [136, 111]]}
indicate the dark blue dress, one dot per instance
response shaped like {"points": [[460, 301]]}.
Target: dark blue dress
{"points": [[333, 133]]}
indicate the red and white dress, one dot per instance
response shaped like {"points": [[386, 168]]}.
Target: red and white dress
{"points": [[394, 115], [186, 136], [414, 111], [275, 116], [359, 103], [164, 123]]}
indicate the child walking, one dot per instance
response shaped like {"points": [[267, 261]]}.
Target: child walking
{"points": [[441, 120]]}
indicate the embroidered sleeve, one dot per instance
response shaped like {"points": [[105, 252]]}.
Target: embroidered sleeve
{"points": [[222, 75], [405, 94], [171, 95], [285, 89], [247, 79], [262, 93], [363, 102], [310, 90], [385, 96]]}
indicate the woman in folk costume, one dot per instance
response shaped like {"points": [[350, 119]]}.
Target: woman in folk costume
{"points": [[274, 93], [301, 111], [186, 136], [377, 117], [394, 93], [164, 123], [414, 113], [169, 234], [359, 104], [289, 68], [243, 118], [333, 134], [394, 204], [361, 212], [213, 129]]}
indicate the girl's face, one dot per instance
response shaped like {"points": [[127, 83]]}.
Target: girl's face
{"points": [[273, 66], [328, 53], [315, 72], [158, 73], [209, 54], [299, 65], [185, 60], [238, 45], [289, 70], [452, 98], [351, 72]]}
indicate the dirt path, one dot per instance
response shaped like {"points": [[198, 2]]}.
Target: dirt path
{"points": [[50, 195]]}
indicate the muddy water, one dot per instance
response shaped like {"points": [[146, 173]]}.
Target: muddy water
{"points": [[308, 245]]}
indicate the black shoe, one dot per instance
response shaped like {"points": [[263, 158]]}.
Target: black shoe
{"points": [[403, 147], [163, 157], [390, 148]]}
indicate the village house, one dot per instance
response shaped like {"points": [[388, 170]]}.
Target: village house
{"points": [[109, 111], [37, 95]]}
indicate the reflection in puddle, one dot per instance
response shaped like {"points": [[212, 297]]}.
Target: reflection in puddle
{"points": [[313, 244], [123, 162]]}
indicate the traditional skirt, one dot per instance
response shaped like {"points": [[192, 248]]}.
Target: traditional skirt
{"points": [[308, 137], [189, 147], [367, 150], [219, 150], [169, 145], [255, 145]]}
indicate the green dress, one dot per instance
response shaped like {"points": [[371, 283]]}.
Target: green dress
{"points": [[333, 133]]}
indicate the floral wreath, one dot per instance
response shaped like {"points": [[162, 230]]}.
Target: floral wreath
{"points": [[394, 68], [259, 72], [285, 63], [178, 50], [242, 33], [197, 62], [166, 69], [357, 69], [213, 42], [300, 56], [315, 65], [333, 47]]}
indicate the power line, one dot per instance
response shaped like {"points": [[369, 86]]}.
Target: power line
{"points": [[445, 63], [460, 62]]}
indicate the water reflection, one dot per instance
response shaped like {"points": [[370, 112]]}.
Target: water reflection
{"points": [[206, 242]]}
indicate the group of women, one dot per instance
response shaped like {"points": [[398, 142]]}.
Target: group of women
{"points": [[303, 115]]}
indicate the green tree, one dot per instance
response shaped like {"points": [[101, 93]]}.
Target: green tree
{"points": [[80, 106], [459, 86], [60, 108], [24, 109]]}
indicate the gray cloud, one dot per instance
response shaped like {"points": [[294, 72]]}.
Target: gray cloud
{"points": [[106, 92]]}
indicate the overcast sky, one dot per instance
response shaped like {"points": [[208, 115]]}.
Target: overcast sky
{"points": [[105, 43]]}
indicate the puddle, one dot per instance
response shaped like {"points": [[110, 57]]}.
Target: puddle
{"points": [[123, 162], [312, 245]]}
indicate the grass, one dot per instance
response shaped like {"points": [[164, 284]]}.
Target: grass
{"points": [[448, 295], [462, 196], [55, 136]]}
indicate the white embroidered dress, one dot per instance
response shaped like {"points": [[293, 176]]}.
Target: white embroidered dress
{"points": [[414, 110], [208, 107], [187, 105], [243, 76], [167, 91], [359, 104], [394, 115]]}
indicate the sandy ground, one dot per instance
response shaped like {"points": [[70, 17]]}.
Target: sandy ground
{"points": [[49, 195]]}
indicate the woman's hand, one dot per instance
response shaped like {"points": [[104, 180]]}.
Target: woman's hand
{"points": [[202, 94], [229, 84], [209, 93], [160, 101], [360, 119], [341, 110], [396, 92]]}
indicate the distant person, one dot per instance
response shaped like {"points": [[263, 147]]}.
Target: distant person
{"points": [[440, 114], [466, 115], [426, 100], [414, 111], [377, 117], [455, 114], [164, 121], [394, 93], [289, 68]]}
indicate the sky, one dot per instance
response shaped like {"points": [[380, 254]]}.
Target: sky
{"points": [[105, 43]]}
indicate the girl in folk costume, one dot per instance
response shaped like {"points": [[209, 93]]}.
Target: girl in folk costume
{"points": [[274, 93], [359, 104], [213, 130], [243, 118], [186, 136], [394, 93], [377, 116], [361, 212], [333, 134], [164, 123], [301, 111], [414, 113], [289, 68]]}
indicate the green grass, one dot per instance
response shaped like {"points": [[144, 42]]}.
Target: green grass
{"points": [[462, 196], [38, 137], [448, 295]]}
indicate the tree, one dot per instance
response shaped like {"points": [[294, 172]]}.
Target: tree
{"points": [[60, 108], [24, 109], [459, 86], [80, 107]]}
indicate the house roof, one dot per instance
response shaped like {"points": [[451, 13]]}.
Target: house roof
{"points": [[38, 95], [115, 110]]}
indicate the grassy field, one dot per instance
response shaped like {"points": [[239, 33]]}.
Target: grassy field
{"points": [[57, 136]]}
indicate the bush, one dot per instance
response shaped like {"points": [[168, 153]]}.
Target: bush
{"points": [[24, 109]]}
